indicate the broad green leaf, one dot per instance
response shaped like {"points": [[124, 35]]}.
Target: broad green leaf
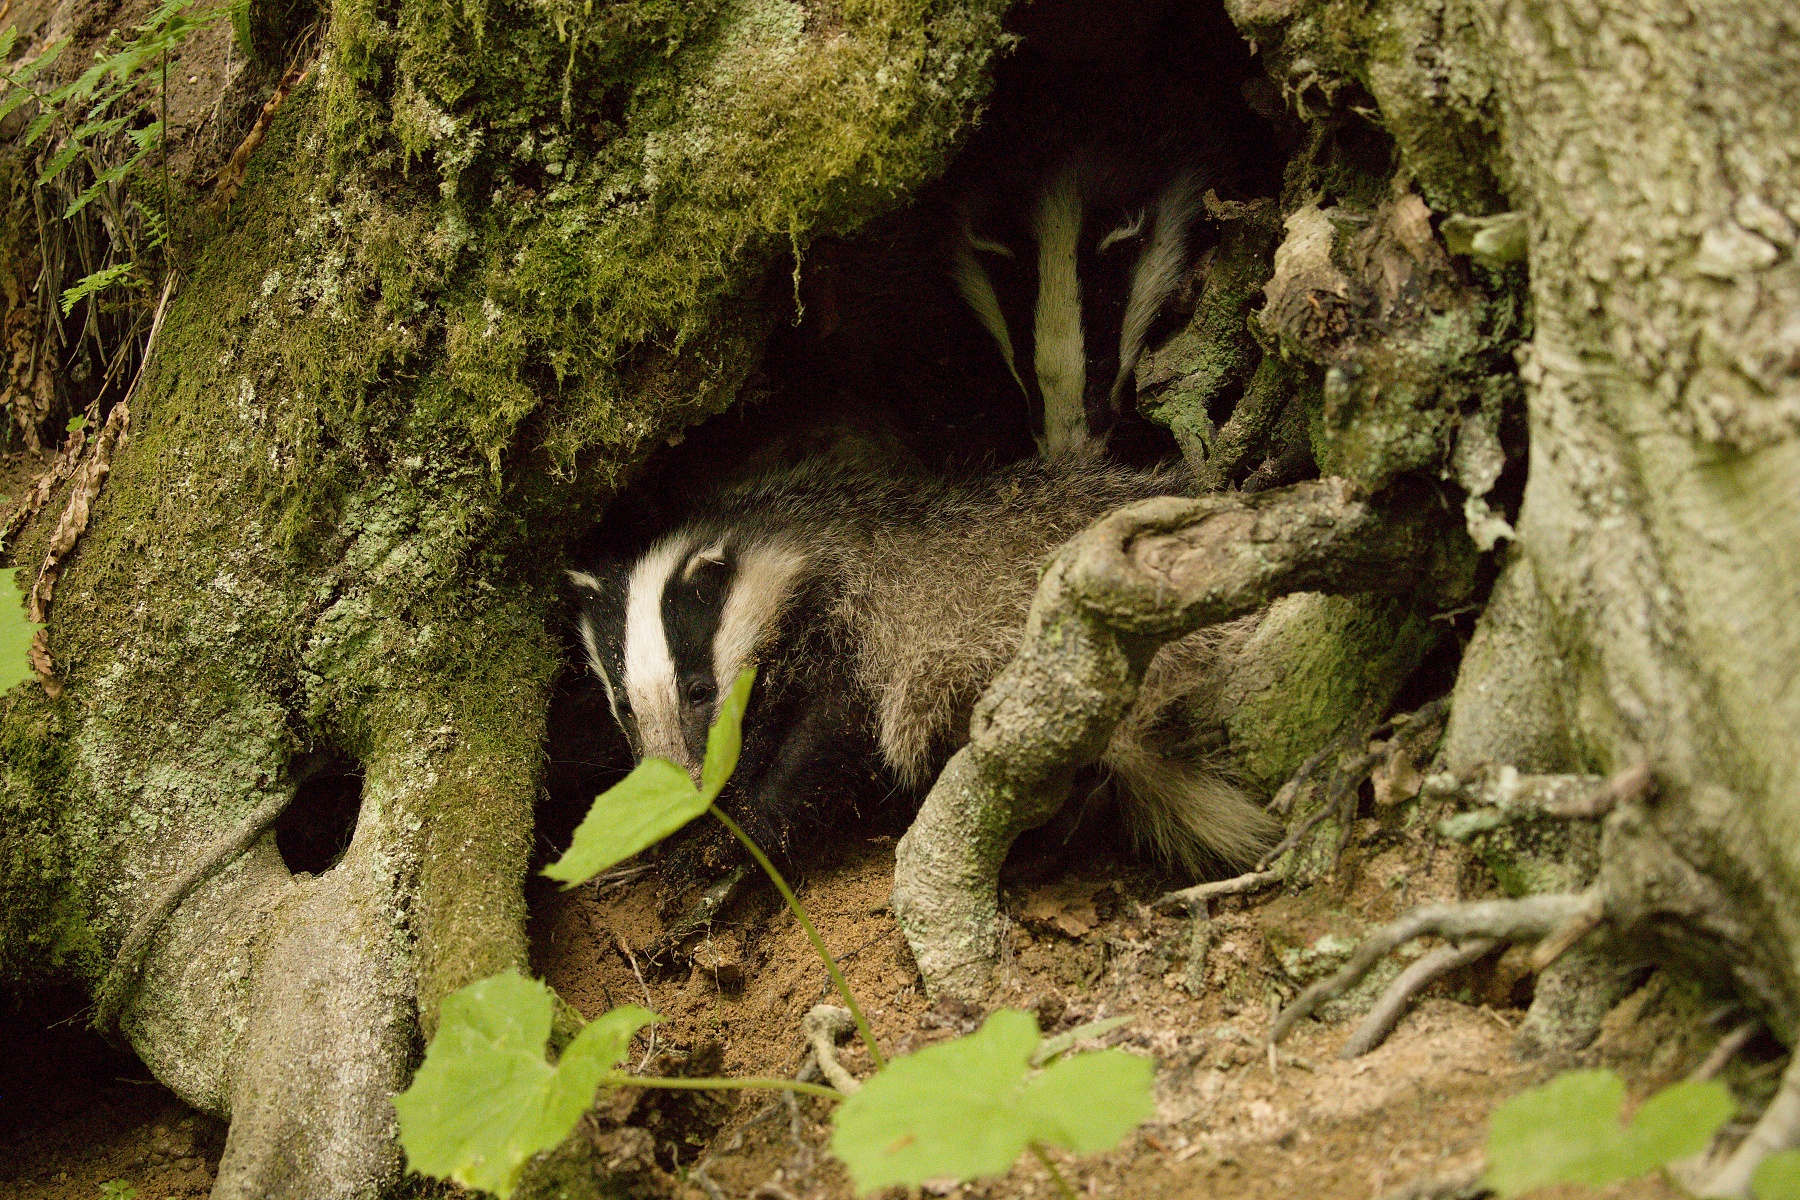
{"points": [[9, 37], [485, 1099], [726, 737], [1568, 1131], [1777, 1177], [643, 808], [1086, 1103], [968, 1107], [16, 631]]}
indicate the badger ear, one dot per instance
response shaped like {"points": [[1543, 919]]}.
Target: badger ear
{"points": [[584, 582]]}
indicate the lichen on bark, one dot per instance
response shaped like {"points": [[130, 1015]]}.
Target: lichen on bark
{"points": [[489, 257]]}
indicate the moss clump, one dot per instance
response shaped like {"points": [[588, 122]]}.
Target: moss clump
{"points": [[488, 258]]}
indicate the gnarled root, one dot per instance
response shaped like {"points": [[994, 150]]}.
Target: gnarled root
{"points": [[1139, 577], [1492, 921]]}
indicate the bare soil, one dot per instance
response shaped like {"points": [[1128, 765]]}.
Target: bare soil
{"points": [[1083, 944]]}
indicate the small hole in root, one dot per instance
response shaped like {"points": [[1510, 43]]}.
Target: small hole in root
{"points": [[314, 832]]}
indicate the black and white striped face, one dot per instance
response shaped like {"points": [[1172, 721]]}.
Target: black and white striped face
{"points": [[1070, 283], [669, 633]]}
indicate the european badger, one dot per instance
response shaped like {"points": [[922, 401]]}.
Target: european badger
{"points": [[877, 608], [1071, 284]]}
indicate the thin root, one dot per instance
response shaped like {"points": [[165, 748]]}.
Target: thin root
{"points": [[1776, 1130], [1399, 996], [1191, 899], [825, 1025], [1503, 920]]}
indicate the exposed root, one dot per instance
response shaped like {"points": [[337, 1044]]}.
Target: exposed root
{"points": [[121, 980], [1776, 1130], [1139, 577], [1501, 920], [1348, 773], [1724, 1052], [1399, 996], [825, 1026], [650, 1030], [1195, 898]]}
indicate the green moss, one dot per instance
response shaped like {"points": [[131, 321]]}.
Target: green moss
{"points": [[1316, 664], [490, 257]]}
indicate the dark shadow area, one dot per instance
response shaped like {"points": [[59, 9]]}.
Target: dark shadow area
{"points": [[315, 830]]}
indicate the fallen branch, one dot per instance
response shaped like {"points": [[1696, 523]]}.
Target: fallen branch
{"points": [[1139, 577]]}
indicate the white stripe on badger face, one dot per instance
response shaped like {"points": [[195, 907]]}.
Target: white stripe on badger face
{"points": [[1157, 273], [590, 640], [649, 666], [1061, 359], [760, 590], [977, 290]]}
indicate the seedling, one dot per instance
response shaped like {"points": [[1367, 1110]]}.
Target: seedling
{"points": [[486, 1099]]}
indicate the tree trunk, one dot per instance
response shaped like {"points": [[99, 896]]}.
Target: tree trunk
{"points": [[490, 259]]}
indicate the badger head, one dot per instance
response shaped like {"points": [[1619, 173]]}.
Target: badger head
{"points": [[667, 634], [1068, 272]]}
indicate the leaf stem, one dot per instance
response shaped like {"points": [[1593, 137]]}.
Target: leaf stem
{"points": [[1062, 1185], [793, 902], [741, 1083]]}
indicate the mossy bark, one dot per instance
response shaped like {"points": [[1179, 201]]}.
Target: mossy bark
{"points": [[486, 260]]}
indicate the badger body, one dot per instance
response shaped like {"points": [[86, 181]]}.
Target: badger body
{"points": [[876, 609]]}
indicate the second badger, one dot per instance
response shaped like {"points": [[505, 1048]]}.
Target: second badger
{"points": [[876, 609]]}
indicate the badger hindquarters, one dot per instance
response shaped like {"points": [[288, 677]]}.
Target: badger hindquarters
{"points": [[876, 609]]}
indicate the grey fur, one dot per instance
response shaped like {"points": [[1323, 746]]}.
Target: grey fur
{"points": [[928, 583]]}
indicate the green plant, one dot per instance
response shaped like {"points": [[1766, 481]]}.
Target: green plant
{"points": [[108, 119], [118, 1189], [1569, 1131], [486, 1099], [16, 631]]}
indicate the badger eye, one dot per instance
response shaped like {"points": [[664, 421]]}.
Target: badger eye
{"points": [[700, 691]]}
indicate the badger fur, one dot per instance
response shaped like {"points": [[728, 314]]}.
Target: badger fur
{"points": [[1069, 267], [876, 609]]}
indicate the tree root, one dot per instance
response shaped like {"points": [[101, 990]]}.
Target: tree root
{"points": [[1194, 899], [825, 1026], [1533, 917], [1776, 1130], [1141, 576], [1399, 996]]}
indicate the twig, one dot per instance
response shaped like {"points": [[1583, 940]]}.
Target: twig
{"points": [[698, 1174], [1399, 995], [1189, 899], [1564, 938]]}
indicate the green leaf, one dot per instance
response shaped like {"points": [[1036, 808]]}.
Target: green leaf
{"points": [[79, 420], [16, 631], [643, 808], [726, 737], [1777, 1177], [969, 1107], [86, 286], [118, 1189], [62, 158], [485, 1099], [39, 124], [8, 39], [1568, 1131]]}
